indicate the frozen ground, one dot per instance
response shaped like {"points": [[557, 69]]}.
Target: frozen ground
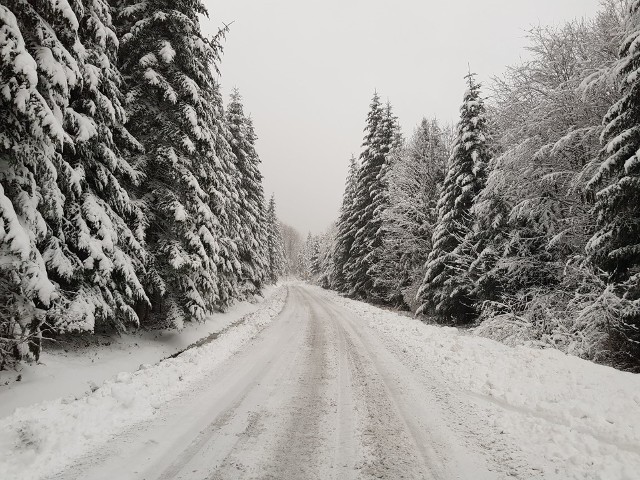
{"points": [[321, 387]]}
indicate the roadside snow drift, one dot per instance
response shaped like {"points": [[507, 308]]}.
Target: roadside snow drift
{"points": [[70, 369], [571, 418], [41, 439]]}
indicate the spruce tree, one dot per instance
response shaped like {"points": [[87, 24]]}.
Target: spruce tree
{"points": [[275, 246], [172, 100], [222, 181], [370, 199], [250, 203], [31, 137], [615, 246], [380, 290], [101, 217], [443, 291], [65, 173], [344, 234], [361, 211]]}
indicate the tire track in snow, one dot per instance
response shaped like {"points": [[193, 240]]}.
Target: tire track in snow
{"points": [[390, 448]]}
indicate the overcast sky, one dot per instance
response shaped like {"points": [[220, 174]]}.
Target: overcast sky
{"points": [[307, 70]]}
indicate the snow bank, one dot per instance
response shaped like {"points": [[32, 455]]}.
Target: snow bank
{"points": [[571, 418], [72, 369], [41, 439]]}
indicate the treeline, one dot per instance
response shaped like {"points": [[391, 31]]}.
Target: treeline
{"points": [[525, 220], [129, 194]]}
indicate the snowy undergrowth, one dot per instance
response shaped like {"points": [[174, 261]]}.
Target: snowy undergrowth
{"points": [[572, 419], [41, 439]]}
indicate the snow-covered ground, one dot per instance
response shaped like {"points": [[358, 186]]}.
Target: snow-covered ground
{"points": [[569, 417], [70, 370], [37, 439], [313, 385]]}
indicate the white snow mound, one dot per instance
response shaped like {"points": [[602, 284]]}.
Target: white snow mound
{"points": [[44, 438]]}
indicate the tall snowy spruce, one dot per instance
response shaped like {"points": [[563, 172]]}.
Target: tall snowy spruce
{"points": [[221, 180], [344, 233], [31, 137], [275, 245], [443, 292], [172, 101], [62, 167], [101, 217], [615, 247], [382, 291], [250, 204], [381, 135]]}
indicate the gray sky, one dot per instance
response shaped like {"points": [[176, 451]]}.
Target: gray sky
{"points": [[307, 71]]}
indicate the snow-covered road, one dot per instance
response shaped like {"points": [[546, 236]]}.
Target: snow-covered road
{"points": [[316, 386], [315, 395]]}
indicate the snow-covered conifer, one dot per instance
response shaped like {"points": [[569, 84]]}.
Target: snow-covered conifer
{"points": [[172, 101], [31, 137], [102, 219], [65, 172], [275, 245], [442, 293], [250, 203], [221, 180], [344, 230], [381, 291], [615, 247], [370, 199]]}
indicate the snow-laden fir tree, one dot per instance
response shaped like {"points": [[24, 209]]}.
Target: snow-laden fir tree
{"points": [[250, 203], [102, 219], [361, 211], [275, 245], [31, 136], [62, 163], [167, 64], [221, 180], [443, 292], [370, 201], [615, 247], [380, 290], [344, 231]]}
